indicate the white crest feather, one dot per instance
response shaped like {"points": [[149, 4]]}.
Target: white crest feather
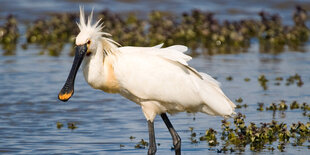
{"points": [[82, 18], [94, 30]]}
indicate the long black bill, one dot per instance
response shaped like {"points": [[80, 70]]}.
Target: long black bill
{"points": [[68, 89]]}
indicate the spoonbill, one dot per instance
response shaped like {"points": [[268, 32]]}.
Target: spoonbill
{"points": [[158, 79]]}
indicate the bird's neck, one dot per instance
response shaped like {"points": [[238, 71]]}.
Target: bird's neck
{"points": [[98, 70], [108, 47]]}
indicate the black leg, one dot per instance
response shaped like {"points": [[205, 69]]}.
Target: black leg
{"points": [[152, 142], [175, 137]]}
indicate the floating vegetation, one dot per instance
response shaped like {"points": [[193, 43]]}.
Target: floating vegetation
{"points": [[59, 125], [71, 125], [192, 137], [263, 136], [210, 137], [292, 79], [239, 100], [241, 106], [279, 78], [229, 78], [142, 144], [260, 106], [191, 129], [9, 35], [282, 106], [263, 81], [132, 137], [53, 33], [305, 106], [247, 79], [238, 106], [294, 105], [272, 107], [199, 30], [258, 137], [295, 78]]}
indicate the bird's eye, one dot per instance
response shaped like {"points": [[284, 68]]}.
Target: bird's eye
{"points": [[88, 42]]}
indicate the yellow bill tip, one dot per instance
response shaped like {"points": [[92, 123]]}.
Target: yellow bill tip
{"points": [[65, 97]]}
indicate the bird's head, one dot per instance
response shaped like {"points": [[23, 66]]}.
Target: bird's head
{"points": [[90, 34], [87, 42]]}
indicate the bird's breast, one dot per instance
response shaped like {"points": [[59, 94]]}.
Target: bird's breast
{"points": [[100, 75]]}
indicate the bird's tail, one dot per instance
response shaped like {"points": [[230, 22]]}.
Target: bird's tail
{"points": [[217, 103]]}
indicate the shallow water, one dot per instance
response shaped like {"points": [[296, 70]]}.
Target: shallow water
{"points": [[223, 9], [29, 108]]}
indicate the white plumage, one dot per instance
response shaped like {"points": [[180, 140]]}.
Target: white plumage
{"points": [[162, 77], [157, 76], [158, 79]]}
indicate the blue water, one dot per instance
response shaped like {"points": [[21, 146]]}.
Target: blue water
{"points": [[223, 9], [29, 84]]}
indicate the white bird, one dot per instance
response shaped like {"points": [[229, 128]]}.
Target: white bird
{"points": [[158, 79]]}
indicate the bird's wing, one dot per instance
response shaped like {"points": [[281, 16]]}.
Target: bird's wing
{"points": [[152, 76], [174, 53], [159, 45], [163, 75], [180, 48]]}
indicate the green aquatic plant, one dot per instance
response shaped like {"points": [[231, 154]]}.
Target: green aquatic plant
{"points": [[260, 106], [305, 106], [273, 107], [282, 105], [59, 28], [239, 100], [210, 137], [51, 34], [258, 137], [9, 34], [279, 78], [247, 79], [294, 105], [239, 106], [229, 78], [59, 125], [271, 33], [193, 136], [294, 78], [71, 125], [263, 81], [199, 30], [141, 144]]}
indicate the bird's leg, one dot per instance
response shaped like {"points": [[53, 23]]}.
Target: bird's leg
{"points": [[175, 137], [152, 142]]}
